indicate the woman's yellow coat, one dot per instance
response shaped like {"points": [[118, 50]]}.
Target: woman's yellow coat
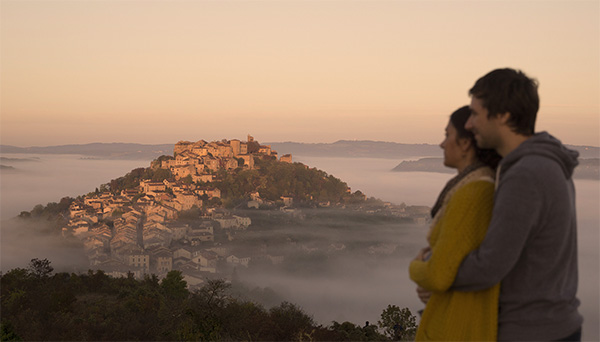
{"points": [[453, 315]]}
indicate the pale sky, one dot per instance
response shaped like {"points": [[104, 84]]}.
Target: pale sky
{"points": [[76, 72]]}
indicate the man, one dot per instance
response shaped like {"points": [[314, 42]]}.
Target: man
{"points": [[531, 243]]}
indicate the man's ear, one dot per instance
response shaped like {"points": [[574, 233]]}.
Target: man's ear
{"points": [[503, 118]]}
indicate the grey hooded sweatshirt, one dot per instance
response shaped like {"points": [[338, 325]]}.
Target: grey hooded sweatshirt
{"points": [[531, 244]]}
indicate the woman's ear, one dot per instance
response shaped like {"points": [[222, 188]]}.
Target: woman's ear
{"points": [[465, 144]]}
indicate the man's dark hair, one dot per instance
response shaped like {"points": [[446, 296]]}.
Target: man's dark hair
{"points": [[458, 119], [509, 90]]}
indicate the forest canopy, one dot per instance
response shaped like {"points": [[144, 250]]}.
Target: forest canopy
{"points": [[39, 305]]}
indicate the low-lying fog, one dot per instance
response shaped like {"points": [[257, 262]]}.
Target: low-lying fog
{"points": [[42, 178], [419, 188], [355, 288]]}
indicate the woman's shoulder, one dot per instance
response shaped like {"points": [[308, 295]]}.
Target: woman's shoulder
{"points": [[477, 188], [484, 173], [480, 179]]}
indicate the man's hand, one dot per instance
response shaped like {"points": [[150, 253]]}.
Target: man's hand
{"points": [[423, 294], [423, 254]]}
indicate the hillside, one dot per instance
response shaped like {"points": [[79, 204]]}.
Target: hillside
{"points": [[423, 165], [588, 169], [196, 200]]}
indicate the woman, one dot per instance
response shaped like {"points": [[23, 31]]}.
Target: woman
{"points": [[460, 219]]}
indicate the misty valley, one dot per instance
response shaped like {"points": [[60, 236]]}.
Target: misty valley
{"points": [[187, 213], [335, 260], [230, 212], [310, 264]]}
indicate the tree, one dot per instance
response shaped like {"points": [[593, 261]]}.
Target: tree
{"points": [[215, 294], [64, 204], [348, 331], [156, 163], [398, 324], [191, 214], [173, 285], [290, 322], [161, 174], [37, 210], [7, 333], [40, 268], [187, 179]]}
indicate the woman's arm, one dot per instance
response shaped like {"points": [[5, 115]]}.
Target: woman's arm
{"points": [[462, 229]]}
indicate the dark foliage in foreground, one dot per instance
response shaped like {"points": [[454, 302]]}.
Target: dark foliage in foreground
{"points": [[40, 306]]}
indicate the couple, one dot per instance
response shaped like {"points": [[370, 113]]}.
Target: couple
{"points": [[502, 257]]}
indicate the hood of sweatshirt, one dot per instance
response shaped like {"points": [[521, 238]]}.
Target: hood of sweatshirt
{"points": [[543, 144]]}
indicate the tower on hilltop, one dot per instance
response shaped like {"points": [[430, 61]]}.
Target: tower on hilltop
{"points": [[236, 145]]}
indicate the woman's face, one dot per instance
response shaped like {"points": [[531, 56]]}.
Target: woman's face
{"points": [[453, 154]]}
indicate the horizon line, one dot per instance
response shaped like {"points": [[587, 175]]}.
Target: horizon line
{"points": [[269, 142]]}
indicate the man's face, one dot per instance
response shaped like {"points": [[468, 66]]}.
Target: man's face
{"points": [[485, 129]]}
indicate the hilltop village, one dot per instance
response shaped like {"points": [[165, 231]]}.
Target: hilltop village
{"points": [[141, 229]]}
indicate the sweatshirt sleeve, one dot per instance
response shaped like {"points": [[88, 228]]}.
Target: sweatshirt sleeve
{"points": [[462, 229], [517, 208]]}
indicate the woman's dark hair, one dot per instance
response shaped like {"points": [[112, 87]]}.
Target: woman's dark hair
{"points": [[458, 119]]}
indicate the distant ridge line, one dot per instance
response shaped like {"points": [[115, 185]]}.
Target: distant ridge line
{"points": [[100, 150], [340, 148]]}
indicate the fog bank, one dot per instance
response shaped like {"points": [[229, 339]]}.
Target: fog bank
{"points": [[372, 177], [357, 287]]}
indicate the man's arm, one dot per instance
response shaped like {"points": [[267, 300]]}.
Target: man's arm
{"points": [[517, 209], [460, 231]]}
